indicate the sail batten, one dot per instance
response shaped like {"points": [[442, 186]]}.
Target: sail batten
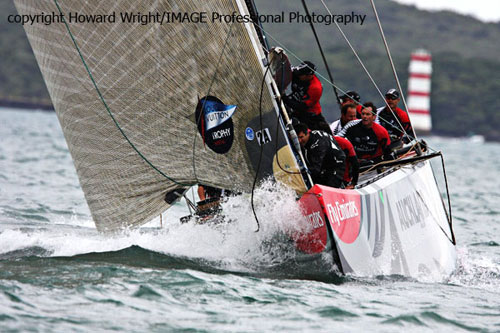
{"points": [[126, 96]]}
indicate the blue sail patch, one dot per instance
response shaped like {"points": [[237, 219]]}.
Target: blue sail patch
{"points": [[217, 113]]}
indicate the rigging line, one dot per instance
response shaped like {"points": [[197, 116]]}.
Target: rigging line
{"points": [[450, 217], [434, 218], [208, 93], [101, 97], [321, 51], [366, 70], [391, 61], [261, 149], [341, 90], [452, 240]]}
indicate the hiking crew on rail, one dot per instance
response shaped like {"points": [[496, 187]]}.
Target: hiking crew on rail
{"points": [[392, 118], [366, 140], [370, 140]]}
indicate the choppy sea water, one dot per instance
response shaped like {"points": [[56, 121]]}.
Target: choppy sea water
{"points": [[58, 274]]}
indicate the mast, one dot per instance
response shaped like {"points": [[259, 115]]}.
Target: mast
{"points": [[252, 9], [274, 91]]}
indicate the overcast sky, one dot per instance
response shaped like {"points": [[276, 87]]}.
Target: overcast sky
{"points": [[485, 10]]}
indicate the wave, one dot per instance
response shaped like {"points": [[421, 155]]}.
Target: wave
{"points": [[476, 270], [235, 247]]}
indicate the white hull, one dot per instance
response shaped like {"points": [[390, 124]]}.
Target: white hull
{"points": [[395, 225]]}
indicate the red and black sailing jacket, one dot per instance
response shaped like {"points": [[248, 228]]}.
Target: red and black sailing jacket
{"points": [[369, 143], [306, 95], [351, 173], [388, 119]]}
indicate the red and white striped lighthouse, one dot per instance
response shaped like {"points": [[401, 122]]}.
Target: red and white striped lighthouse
{"points": [[419, 91]]}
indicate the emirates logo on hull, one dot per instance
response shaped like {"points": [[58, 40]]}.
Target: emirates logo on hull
{"points": [[343, 209], [315, 220], [311, 237], [341, 212]]}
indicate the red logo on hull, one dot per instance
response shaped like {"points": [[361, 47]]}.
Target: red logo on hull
{"points": [[343, 209], [313, 236]]}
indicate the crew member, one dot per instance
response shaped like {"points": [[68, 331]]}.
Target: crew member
{"points": [[351, 173], [305, 95], [206, 192], [324, 158], [347, 113], [370, 140], [393, 120], [352, 97]]}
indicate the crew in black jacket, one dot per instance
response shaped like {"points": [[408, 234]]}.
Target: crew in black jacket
{"points": [[324, 158]]}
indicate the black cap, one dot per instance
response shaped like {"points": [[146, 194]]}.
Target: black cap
{"points": [[305, 68], [352, 95], [392, 93]]}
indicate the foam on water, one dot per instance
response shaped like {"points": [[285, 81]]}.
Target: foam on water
{"points": [[240, 245], [476, 271], [236, 245]]}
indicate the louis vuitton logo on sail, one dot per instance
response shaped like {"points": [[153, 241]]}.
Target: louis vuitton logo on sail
{"points": [[214, 118], [214, 123], [221, 134]]}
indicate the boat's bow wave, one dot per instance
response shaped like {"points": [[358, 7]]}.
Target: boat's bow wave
{"points": [[220, 248], [472, 271]]}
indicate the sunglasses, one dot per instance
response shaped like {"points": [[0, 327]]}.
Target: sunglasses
{"points": [[392, 98]]}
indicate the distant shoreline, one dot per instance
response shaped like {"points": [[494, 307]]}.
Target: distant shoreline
{"points": [[24, 104]]}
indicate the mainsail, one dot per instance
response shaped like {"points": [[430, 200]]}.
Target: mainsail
{"points": [[126, 96]]}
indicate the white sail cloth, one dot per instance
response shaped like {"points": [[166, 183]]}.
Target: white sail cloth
{"points": [[125, 95]]}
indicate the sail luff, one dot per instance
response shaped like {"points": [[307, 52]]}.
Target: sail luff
{"points": [[289, 175]]}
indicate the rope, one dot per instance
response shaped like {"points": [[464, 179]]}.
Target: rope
{"points": [[391, 61], [261, 149], [101, 97], [366, 71], [390, 161], [450, 218], [321, 51]]}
